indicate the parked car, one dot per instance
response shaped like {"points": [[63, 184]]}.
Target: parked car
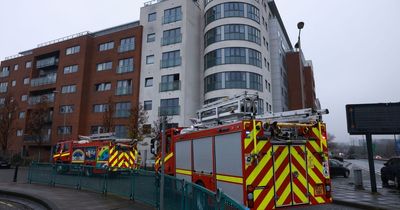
{"points": [[5, 163], [336, 168], [391, 172], [341, 159]]}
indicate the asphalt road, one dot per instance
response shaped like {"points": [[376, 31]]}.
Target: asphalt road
{"points": [[328, 207], [363, 164]]}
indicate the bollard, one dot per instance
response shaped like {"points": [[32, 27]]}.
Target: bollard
{"points": [[358, 180], [15, 173]]}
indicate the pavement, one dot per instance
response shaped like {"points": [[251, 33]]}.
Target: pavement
{"points": [[60, 197], [344, 191]]}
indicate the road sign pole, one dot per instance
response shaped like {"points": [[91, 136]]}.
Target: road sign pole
{"points": [[371, 163], [163, 147]]}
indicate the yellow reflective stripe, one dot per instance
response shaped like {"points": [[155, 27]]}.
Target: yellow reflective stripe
{"points": [[111, 150], [252, 135], [264, 182], [168, 157], [250, 179], [65, 154], [56, 155], [284, 196], [132, 155], [126, 156], [121, 156], [113, 157], [233, 179], [184, 172]]}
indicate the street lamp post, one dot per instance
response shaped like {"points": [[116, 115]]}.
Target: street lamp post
{"points": [[300, 25]]}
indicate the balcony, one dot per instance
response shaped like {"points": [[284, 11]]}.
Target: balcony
{"points": [[123, 91], [4, 74], [169, 110], [124, 69], [126, 48], [171, 40], [33, 100], [35, 139], [170, 86], [3, 89], [171, 62], [52, 61], [46, 80]]}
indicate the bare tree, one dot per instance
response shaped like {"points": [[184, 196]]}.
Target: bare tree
{"points": [[108, 116], [137, 119], [156, 128], [37, 123], [8, 111]]}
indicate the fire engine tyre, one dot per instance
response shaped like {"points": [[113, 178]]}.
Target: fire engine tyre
{"points": [[88, 172]]}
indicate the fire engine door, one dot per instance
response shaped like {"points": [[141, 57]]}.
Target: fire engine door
{"points": [[290, 175]]}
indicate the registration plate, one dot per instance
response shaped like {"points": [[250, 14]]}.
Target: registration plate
{"points": [[319, 190]]}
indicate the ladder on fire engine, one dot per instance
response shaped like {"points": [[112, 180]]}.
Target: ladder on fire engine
{"points": [[296, 116], [104, 137]]}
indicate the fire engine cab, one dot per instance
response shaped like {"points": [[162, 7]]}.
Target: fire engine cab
{"points": [[103, 152], [269, 162]]}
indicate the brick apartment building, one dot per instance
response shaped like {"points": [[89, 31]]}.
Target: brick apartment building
{"points": [[77, 75]]}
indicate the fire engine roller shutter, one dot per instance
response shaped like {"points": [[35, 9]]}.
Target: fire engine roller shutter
{"points": [[228, 158], [290, 175], [202, 156], [184, 160]]}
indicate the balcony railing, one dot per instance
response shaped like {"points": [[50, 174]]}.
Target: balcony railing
{"points": [[4, 73], [126, 48], [46, 62], [49, 79], [3, 89], [42, 98], [124, 113], [171, 62], [172, 18], [35, 139], [171, 40], [169, 110], [123, 91], [170, 86], [124, 69]]}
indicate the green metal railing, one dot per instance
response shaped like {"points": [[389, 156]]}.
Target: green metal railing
{"points": [[137, 185]]}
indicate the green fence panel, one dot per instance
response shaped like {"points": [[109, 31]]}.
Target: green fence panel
{"points": [[145, 187], [174, 196], [91, 181], [120, 183], [41, 173], [227, 203], [67, 175], [199, 198]]}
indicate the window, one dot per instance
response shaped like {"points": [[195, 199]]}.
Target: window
{"points": [[151, 37], [96, 129], [2, 101], [127, 44], [254, 35], [121, 131], [26, 81], [70, 69], [24, 97], [152, 17], [103, 86], [254, 58], [171, 59], [21, 115], [3, 87], [13, 83], [213, 58], [66, 109], [234, 9], [233, 80], [106, 46], [234, 32], [20, 132], [72, 50], [172, 36], [100, 107], [68, 89], [172, 15], [170, 83], [125, 65], [64, 130], [104, 66], [150, 59], [148, 105], [213, 14], [28, 64], [16, 66], [253, 13], [122, 110], [235, 55], [213, 35], [169, 107], [5, 71], [148, 82], [124, 87]]}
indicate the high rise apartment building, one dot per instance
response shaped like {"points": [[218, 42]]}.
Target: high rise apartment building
{"points": [[77, 75]]}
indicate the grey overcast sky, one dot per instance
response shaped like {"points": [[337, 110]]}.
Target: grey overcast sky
{"points": [[354, 44]]}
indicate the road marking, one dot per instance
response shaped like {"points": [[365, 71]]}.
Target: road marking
{"points": [[9, 205]]}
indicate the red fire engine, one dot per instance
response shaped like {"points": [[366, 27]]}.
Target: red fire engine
{"points": [[101, 151], [263, 164]]}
